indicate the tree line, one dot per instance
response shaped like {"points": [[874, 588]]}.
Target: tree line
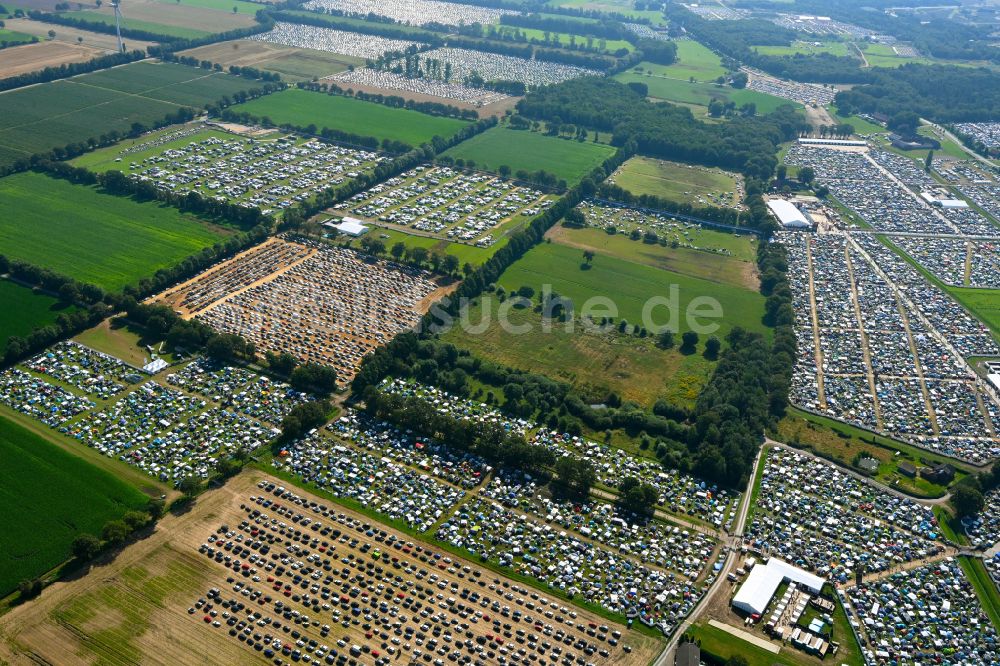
{"points": [[67, 70], [251, 73], [945, 93], [167, 43], [737, 39], [394, 101], [663, 130]]}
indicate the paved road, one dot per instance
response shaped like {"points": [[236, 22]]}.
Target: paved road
{"points": [[732, 546]]}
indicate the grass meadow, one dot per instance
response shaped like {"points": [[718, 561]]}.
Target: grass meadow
{"points": [[672, 180], [49, 497], [22, 311], [693, 59], [304, 108], [531, 151], [700, 94], [737, 269], [596, 363], [93, 237]]}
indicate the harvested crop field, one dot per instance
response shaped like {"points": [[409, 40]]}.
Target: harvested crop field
{"points": [[106, 240], [136, 608], [290, 62], [64, 496], [97, 42]]}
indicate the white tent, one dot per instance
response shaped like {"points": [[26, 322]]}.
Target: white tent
{"points": [[759, 587]]}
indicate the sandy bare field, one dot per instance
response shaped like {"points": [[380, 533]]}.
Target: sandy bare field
{"points": [[359, 585], [291, 62], [64, 34]]}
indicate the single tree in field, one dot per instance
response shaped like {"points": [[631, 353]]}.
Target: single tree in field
{"points": [[52, 34]]}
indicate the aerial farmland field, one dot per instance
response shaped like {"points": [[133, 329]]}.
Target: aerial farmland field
{"points": [[532, 151], [63, 494], [94, 237], [292, 63], [40, 118], [304, 108], [21, 311], [134, 608]]}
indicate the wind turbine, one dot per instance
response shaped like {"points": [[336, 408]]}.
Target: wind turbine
{"points": [[118, 24]]}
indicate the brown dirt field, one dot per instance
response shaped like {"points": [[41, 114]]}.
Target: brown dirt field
{"points": [[133, 608], [291, 62], [99, 43], [180, 15]]}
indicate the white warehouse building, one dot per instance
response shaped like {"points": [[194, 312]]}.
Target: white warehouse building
{"points": [[759, 587], [788, 214]]}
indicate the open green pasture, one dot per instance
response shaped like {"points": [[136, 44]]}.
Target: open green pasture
{"points": [[304, 108], [678, 182], [242, 6], [49, 497], [807, 47], [532, 151], [630, 285], [22, 311], [15, 37], [693, 59], [94, 237], [738, 269], [676, 90], [593, 363], [39, 118]]}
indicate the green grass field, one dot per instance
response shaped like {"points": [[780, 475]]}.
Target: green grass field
{"points": [[983, 303], [700, 94], [304, 108], [861, 126], [107, 240], [39, 118], [22, 311], [679, 182], [737, 270], [242, 7], [531, 151], [14, 37], [634, 368], [49, 496], [693, 59], [136, 24], [630, 285], [810, 47]]}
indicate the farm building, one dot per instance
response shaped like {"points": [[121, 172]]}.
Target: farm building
{"points": [[759, 587], [788, 214], [806, 141]]}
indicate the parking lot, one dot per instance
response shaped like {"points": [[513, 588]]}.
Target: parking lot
{"points": [[926, 615], [333, 41], [448, 203], [814, 515], [882, 348], [276, 576], [414, 12], [271, 174], [319, 303]]}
